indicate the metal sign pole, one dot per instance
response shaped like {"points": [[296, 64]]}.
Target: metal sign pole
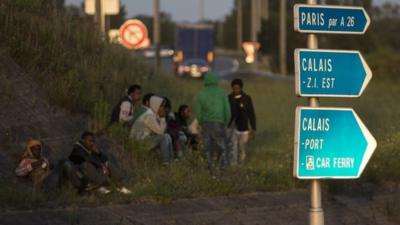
{"points": [[316, 211], [157, 32]]}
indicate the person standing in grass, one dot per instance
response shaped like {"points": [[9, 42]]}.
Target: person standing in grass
{"points": [[213, 115], [242, 112], [123, 111]]}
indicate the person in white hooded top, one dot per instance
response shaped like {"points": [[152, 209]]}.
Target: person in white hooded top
{"points": [[151, 127]]}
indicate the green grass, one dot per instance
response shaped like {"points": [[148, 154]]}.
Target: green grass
{"points": [[82, 73], [269, 163]]}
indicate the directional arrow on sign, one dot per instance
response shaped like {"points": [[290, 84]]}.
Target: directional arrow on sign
{"points": [[330, 73], [330, 143], [330, 19]]}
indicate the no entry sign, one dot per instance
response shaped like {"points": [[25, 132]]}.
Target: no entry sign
{"points": [[132, 34]]}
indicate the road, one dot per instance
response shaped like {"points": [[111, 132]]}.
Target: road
{"points": [[227, 67], [223, 65], [281, 208]]}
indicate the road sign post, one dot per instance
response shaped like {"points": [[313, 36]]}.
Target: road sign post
{"points": [[331, 143], [330, 19], [101, 8], [132, 34], [326, 73]]}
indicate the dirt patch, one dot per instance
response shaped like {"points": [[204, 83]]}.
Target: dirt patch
{"points": [[26, 113]]}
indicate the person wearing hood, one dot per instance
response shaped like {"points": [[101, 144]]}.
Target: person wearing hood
{"points": [[34, 164], [242, 111], [213, 115], [97, 171], [151, 126]]}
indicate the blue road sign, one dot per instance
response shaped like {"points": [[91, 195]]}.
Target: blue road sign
{"points": [[330, 19], [330, 73], [330, 143]]}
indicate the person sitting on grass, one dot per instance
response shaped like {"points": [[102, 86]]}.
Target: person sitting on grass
{"points": [[151, 127], [123, 111], [97, 171], [44, 174], [143, 108], [34, 164], [173, 130], [182, 116]]}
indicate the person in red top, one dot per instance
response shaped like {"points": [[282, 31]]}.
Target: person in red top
{"points": [[33, 164]]}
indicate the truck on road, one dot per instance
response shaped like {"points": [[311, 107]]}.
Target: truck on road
{"points": [[194, 49]]}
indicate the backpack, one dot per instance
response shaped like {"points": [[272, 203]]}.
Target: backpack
{"points": [[117, 109]]}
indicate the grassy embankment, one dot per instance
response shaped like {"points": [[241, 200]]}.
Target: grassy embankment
{"points": [[83, 74]]}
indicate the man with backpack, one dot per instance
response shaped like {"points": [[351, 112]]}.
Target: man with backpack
{"points": [[123, 111]]}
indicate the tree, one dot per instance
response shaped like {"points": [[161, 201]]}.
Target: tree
{"points": [[117, 20], [167, 28]]}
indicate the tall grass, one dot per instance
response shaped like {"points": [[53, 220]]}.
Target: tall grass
{"points": [[82, 73]]}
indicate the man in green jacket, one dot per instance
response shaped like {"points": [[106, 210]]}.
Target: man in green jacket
{"points": [[213, 113]]}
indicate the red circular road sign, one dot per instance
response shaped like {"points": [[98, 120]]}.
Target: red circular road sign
{"points": [[132, 34]]}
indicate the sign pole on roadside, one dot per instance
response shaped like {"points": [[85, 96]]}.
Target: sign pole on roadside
{"points": [[330, 143], [338, 152], [316, 212]]}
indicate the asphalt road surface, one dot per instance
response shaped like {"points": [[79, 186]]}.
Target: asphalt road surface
{"points": [[286, 208], [223, 65]]}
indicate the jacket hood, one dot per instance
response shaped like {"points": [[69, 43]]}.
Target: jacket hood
{"points": [[155, 103], [210, 79], [29, 145]]}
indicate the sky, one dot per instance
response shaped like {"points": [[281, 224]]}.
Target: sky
{"points": [[185, 10], [180, 10]]}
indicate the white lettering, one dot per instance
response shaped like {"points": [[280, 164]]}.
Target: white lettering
{"points": [[342, 22], [328, 82], [316, 65], [343, 163], [323, 163], [312, 19], [315, 124], [313, 144]]}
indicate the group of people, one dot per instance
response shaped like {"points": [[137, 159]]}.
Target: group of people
{"points": [[226, 122], [153, 121], [87, 168]]}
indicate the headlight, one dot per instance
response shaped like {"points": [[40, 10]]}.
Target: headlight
{"points": [[204, 69]]}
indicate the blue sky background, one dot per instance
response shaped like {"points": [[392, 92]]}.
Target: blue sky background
{"points": [[185, 10]]}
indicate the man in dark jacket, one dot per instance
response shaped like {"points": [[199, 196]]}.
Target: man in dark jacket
{"points": [[123, 111], [242, 111], [97, 171]]}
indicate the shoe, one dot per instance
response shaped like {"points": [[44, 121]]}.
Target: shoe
{"points": [[103, 190], [90, 187], [124, 190]]}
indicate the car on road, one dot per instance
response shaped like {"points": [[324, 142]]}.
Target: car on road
{"points": [[194, 67], [150, 52]]}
